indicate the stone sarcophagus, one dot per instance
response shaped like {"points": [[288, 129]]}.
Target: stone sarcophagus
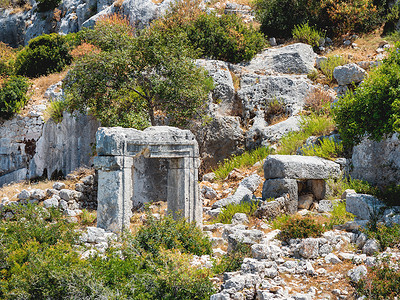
{"points": [[135, 167]]}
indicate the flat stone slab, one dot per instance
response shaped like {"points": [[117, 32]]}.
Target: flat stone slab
{"points": [[300, 167]]}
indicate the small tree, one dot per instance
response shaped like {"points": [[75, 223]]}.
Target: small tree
{"points": [[126, 87]]}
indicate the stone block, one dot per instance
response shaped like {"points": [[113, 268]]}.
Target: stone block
{"points": [[300, 167], [275, 188], [363, 206]]}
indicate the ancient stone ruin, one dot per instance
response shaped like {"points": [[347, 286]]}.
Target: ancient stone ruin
{"points": [[300, 179], [134, 167]]}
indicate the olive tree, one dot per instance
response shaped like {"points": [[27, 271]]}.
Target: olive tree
{"points": [[128, 86]]}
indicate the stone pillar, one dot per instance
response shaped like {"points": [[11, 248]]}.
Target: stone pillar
{"points": [[114, 192]]}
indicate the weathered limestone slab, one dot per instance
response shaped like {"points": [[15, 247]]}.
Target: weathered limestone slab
{"points": [[159, 163], [274, 188], [300, 167]]}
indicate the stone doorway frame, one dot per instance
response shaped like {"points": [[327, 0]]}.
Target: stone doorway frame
{"points": [[117, 149]]}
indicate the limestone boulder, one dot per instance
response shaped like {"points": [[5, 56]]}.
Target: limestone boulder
{"points": [[348, 74], [300, 167], [256, 91], [251, 182], [305, 201], [292, 59], [275, 188], [377, 162], [363, 206], [357, 273]]}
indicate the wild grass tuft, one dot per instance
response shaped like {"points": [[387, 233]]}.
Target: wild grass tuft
{"points": [[339, 215], [55, 110], [246, 159], [338, 186], [306, 34], [326, 148], [248, 208], [330, 64], [310, 125]]}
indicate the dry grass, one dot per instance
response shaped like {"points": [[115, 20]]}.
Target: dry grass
{"points": [[317, 100], [11, 190], [41, 84], [367, 43]]}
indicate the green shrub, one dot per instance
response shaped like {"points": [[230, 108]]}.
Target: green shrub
{"points": [[382, 281], [390, 194], [307, 34], [309, 125], [168, 233], [7, 60], [109, 33], [223, 37], [327, 66], [387, 236], [248, 208], [45, 5], [373, 110], [246, 159], [44, 55], [337, 17], [13, 96], [326, 148], [88, 218], [232, 261], [296, 227], [338, 186]]}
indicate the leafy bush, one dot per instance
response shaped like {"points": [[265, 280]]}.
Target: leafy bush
{"points": [[382, 281], [373, 110], [83, 50], [246, 159], [248, 208], [232, 261], [45, 5], [38, 260], [112, 32], [326, 148], [13, 96], [327, 66], [44, 55], [390, 194], [337, 17], [387, 236], [296, 227], [310, 125], [338, 186], [223, 37], [7, 60], [168, 233], [307, 34]]}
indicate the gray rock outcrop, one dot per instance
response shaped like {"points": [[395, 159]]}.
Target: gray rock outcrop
{"points": [[348, 74]]}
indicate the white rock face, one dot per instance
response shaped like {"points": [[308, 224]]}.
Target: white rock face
{"points": [[348, 74]]}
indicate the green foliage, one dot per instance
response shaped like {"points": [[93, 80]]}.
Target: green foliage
{"points": [[38, 260], [246, 159], [46, 5], [309, 125], [327, 66], [307, 34], [338, 186], [45, 54], [224, 37], [296, 227], [390, 194], [168, 233], [232, 261], [382, 281], [337, 17], [326, 148], [387, 236], [248, 208], [339, 215], [55, 110], [7, 60], [88, 217], [373, 110], [125, 87], [13, 96]]}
